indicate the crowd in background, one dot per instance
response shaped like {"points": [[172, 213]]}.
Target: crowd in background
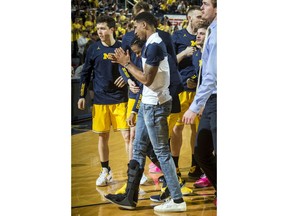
{"points": [[84, 14]]}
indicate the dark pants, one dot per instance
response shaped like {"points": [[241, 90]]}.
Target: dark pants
{"points": [[206, 140]]}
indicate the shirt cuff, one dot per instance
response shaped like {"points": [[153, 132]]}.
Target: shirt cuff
{"points": [[194, 108]]}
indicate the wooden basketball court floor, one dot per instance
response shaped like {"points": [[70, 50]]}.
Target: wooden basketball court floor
{"points": [[88, 200]]}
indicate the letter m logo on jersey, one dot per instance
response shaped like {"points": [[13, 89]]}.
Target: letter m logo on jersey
{"points": [[105, 56]]}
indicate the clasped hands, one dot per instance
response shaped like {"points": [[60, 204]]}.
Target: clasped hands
{"points": [[119, 56]]}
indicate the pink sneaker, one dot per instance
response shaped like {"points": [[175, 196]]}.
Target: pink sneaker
{"points": [[151, 165], [153, 168], [202, 182]]}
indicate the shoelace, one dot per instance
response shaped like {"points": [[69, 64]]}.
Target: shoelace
{"points": [[103, 174]]}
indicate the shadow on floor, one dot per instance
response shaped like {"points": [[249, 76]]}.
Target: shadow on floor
{"points": [[81, 126]]}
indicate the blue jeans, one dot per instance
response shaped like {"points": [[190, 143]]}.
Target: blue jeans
{"points": [[152, 126]]}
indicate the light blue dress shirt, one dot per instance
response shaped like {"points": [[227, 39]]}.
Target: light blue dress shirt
{"points": [[209, 71]]}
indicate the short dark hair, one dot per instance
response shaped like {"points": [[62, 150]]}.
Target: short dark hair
{"points": [[138, 42], [106, 19], [141, 5], [146, 17], [192, 8]]}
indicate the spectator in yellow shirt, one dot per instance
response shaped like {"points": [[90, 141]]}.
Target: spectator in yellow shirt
{"points": [[89, 23], [75, 34], [122, 16]]}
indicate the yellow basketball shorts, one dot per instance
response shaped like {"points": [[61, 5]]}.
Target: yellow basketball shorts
{"points": [[172, 120], [103, 116], [131, 103], [186, 99]]}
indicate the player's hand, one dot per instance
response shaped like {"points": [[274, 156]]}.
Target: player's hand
{"points": [[119, 82], [133, 87], [111, 56], [122, 56], [131, 120], [81, 103], [191, 83], [189, 51]]}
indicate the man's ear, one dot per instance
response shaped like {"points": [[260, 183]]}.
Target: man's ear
{"points": [[144, 24]]}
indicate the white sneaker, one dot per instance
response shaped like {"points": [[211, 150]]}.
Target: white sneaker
{"points": [[104, 177], [143, 179], [170, 206]]}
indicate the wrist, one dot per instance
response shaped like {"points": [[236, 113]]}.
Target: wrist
{"points": [[126, 65]]}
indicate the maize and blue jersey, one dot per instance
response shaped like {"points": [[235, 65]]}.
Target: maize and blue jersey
{"points": [[181, 40], [104, 75], [192, 70], [126, 43]]}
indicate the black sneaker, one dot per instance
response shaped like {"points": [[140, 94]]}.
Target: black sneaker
{"points": [[178, 172], [165, 194], [195, 172]]}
